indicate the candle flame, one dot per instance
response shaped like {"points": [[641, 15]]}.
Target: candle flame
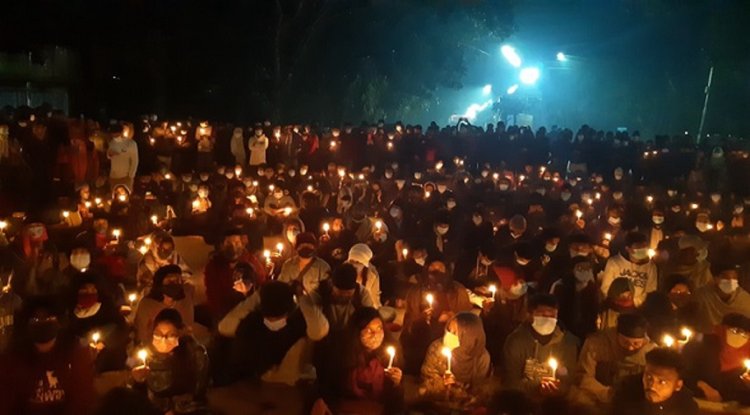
{"points": [[391, 351], [553, 364]]}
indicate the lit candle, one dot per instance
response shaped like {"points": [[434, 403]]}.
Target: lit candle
{"points": [[310, 188], [271, 187], [342, 173], [687, 334], [552, 362], [196, 204], [65, 214], [392, 353], [426, 195], [267, 256], [590, 201], [379, 225], [287, 211], [521, 178], [493, 290], [746, 363], [238, 171], [579, 214], [154, 219], [651, 253], [598, 196], [447, 353], [404, 253], [390, 145], [98, 201], [143, 355], [495, 176], [87, 204], [95, 337], [132, 297], [326, 227], [143, 249], [3, 225], [667, 341], [249, 211], [608, 236], [116, 233], [333, 144], [122, 198], [430, 299], [168, 176], [280, 248], [147, 241], [694, 206], [649, 199]]}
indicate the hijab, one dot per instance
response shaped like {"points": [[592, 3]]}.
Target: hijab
{"points": [[470, 360]]}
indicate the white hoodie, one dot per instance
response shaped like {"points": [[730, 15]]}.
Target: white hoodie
{"points": [[123, 155], [644, 276]]}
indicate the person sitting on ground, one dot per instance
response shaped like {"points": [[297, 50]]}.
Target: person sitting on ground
{"points": [[718, 371], [660, 389], [720, 298], [464, 382], [365, 379], [610, 355], [168, 291], [305, 270], [175, 375], [530, 347]]}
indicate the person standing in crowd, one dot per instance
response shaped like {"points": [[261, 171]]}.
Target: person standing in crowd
{"points": [[237, 146], [123, 156], [168, 292], [46, 371], [660, 389], [305, 271], [258, 145]]}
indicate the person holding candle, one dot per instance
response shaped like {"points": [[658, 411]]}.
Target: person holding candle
{"points": [[529, 347], [175, 375], [162, 252], [609, 356], [468, 379], [367, 275], [365, 375], [305, 270], [46, 371], [94, 312], [691, 261], [718, 362], [425, 322], [168, 291], [660, 389]]}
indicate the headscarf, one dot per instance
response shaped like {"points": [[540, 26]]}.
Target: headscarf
{"points": [[470, 360]]}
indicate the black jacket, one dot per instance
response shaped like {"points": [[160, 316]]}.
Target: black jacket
{"points": [[630, 399]]}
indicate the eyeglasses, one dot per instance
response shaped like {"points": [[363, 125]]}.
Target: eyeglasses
{"points": [[169, 338], [739, 332]]}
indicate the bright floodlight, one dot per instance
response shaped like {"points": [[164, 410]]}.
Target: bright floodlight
{"points": [[510, 55], [561, 57], [487, 89], [529, 76], [512, 90]]}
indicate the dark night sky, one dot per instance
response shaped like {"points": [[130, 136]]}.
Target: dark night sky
{"points": [[637, 63]]}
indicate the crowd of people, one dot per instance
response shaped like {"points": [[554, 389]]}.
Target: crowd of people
{"points": [[384, 268]]}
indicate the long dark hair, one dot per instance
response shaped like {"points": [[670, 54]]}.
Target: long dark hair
{"points": [[184, 367], [157, 292], [356, 354]]}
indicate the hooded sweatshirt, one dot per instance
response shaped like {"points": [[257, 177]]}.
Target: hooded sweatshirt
{"points": [[712, 308], [644, 276]]}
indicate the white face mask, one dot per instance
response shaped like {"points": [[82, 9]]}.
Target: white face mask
{"points": [[728, 286], [292, 173], [565, 196], [442, 230], [450, 204], [420, 261], [485, 173], [735, 340], [738, 210], [442, 188], [715, 198], [388, 175], [450, 340], [275, 325], [701, 226], [658, 220], [639, 254], [80, 261], [672, 193], [303, 170], [613, 221], [400, 184], [395, 212], [477, 220], [522, 262], [544, 325], [417, 175], [617, 195], [518, 289], [503, 187], [550, 247], [584, 276]]}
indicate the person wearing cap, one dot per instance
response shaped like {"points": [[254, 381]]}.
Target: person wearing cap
{"points": [[305, 270], [717, 369], [336, 299], [514, 233], [660, 389], [265, 337], [610, 355], [367, 275], [720, 298], [691, 261], [633, 264]]}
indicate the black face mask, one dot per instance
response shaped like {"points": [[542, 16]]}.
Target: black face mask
{"points": [[306, 252], [174, 291], [41, 333]]}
